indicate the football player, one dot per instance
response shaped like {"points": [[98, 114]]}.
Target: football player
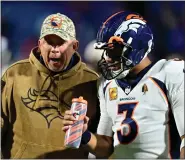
{"points": [[137, 96]]}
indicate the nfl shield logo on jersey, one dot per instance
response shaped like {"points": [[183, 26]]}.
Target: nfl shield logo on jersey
{"points": [[113, 93], [127, 90]]}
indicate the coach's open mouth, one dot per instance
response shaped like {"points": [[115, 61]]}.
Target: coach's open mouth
{"points": [[55, 59]]}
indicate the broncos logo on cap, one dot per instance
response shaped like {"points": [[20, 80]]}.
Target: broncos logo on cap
{"points": [[56, 22]]}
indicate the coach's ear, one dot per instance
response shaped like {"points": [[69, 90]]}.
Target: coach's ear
{"points": [[39, 43], [75, 45]]}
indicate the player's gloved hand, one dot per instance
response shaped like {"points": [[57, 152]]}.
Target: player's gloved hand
{"points": [[69, 119]]}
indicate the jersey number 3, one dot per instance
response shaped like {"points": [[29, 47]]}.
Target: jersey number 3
{"points": [[129, 127]]}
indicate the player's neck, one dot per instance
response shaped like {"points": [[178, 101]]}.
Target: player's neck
{"points": [[144, 63]]}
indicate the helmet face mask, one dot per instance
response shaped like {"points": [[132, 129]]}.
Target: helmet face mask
{"points": [[113, 62], [125, 40]]}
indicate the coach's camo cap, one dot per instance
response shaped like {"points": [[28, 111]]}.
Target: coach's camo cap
{"points": [[59, 25]]}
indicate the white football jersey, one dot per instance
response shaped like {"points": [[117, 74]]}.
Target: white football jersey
{"points": [[137, 114]]}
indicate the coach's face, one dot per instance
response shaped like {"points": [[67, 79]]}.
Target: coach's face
{"points": [[57, 52]]}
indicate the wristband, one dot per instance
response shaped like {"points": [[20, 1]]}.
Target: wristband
{"points": [[182, 143], [86, 136]]}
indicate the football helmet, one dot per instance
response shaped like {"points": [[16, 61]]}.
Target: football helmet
{"points": [[126, 39]]}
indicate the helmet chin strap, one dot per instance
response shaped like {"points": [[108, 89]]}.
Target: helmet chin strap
{"points": [[124, 71], [123, 74]]}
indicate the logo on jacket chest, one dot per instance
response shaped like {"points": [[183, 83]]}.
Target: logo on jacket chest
{"points": [[47, 106]]}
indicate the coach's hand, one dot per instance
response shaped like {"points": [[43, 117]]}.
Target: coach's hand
{"points": [[69, 119]]}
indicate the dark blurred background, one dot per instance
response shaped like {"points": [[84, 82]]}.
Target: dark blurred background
{"points": [[21, 22]]}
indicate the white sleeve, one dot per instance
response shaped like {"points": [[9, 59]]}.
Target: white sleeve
{"points": [[105, 123], [175, 84]]}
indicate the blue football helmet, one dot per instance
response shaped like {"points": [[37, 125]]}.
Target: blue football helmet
{"points": [[126, 39]]}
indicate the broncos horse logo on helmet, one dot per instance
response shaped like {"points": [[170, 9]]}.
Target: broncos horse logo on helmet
{"points": [[126, 39]]}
